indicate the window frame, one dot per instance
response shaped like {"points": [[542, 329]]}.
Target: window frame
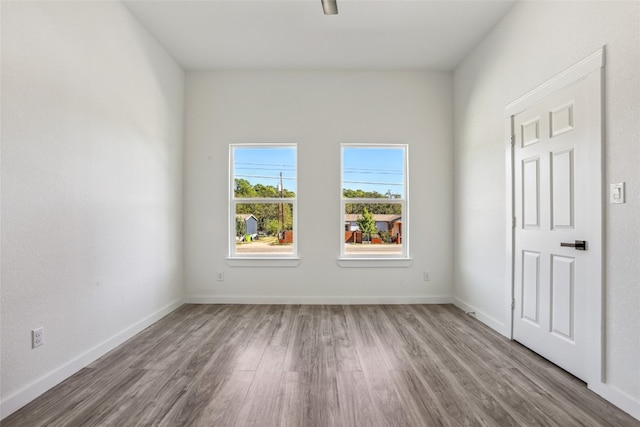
{"points": [[260, 259], [376, 260]]}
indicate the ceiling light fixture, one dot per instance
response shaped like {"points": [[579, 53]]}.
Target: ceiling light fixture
{"points": [[330, 7]]}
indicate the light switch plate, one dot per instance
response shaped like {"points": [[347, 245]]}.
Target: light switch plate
{"points": [[616, 194]]}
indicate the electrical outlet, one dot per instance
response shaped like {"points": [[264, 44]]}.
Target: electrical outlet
{"points": [[426, 276], [37, 337], [220, 276]]}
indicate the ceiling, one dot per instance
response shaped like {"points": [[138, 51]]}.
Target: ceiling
{"points": [[295, 34]]}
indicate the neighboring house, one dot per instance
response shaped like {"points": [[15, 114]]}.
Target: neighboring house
{"points": [[384, 222], [251, 222]]}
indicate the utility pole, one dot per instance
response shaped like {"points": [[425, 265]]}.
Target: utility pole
{"points": [[280, 209]]}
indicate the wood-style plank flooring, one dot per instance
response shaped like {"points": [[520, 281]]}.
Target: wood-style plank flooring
{"points": [[321, 365]]}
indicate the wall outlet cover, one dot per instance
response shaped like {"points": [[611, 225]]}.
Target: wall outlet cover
{"points": [[37, 337], [616, 194]]}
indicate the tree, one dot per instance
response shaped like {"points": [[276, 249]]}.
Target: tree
{"points": [[241, 227], [367, 224], [267, 213], [271, 227], [265, 190], [243, 188], [374, 208]]}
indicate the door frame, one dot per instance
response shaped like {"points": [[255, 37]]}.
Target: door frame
{"points": [[592, 69]]}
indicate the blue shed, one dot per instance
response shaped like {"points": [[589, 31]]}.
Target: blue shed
{"points": [[251, 222]]}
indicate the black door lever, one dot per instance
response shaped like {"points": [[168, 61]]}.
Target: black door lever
{"points": [[580, 245]]}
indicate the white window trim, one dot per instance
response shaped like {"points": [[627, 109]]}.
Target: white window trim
{"points": [[372, 260], [260, 259]]}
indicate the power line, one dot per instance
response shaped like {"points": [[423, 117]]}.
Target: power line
{"points": [[264, 169], [374, 173], [263, 176], [373, 169], [264, 164], [373, 183]]}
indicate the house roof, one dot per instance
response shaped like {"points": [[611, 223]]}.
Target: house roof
{"points": [[376, 217], [246, 216]]}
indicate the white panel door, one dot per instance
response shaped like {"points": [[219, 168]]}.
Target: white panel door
{"points": [[552, 203]]}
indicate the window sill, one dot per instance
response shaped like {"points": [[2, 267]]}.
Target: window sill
{"points": [[263, 262], [375, 262]]}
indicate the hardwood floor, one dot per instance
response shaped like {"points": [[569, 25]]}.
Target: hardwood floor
{"points": [[290, 365]]}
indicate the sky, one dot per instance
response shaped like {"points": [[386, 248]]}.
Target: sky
{"points": [[368, 169], [373, 169], [263, 166]]}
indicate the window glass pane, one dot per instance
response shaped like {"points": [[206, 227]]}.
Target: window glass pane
{"points": [[264, 172], [374, 208], [373, 229], [371, 172], [264, 228]]}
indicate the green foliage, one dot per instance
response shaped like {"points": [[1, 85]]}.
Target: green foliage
{"points": [[361, 194], [287, 193], [243, 188], [367, 224], [386, 236], [271, 227], [266, 213], [374, 208], [265, 190], [241, 227]]}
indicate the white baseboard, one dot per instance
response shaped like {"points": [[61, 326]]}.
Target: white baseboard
{"points": [[491, 322], [17, 400], [25, 395], [346, 300], [618, 398], [613, 395]]}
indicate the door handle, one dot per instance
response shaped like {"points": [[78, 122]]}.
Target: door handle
{"points": [[580, 245]]}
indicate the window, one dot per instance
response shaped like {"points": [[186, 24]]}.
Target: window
{"points": [[263, 202], [374, 216]]}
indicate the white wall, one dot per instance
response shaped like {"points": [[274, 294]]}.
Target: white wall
{"points": [[318, 110], [91, 187], [534, 42]]}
